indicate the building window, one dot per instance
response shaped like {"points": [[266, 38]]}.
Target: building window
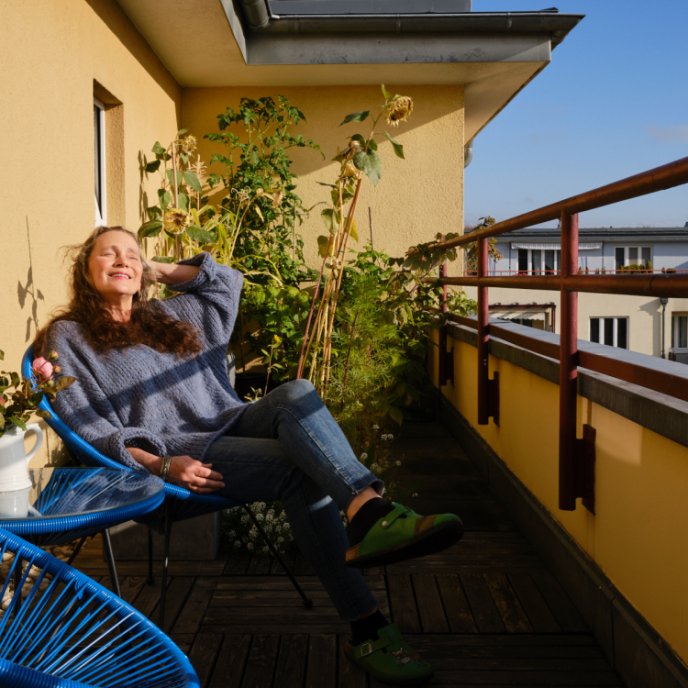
{"points": [[99, 161], [609, 331], [679, 331], [533, 261], [108, 157], [639, 257]]}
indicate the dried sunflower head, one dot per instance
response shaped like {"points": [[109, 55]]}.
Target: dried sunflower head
{"points": [[399, 109], [174, 221], [188, 144]]}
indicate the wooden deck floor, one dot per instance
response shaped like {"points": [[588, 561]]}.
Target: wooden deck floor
{"points": [[486, 612]]}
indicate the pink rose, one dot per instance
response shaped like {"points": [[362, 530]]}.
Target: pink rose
{"points": [[3, 400], [42, 369]]}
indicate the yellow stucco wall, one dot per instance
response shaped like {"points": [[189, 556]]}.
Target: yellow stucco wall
{"points": [[415, 197], [637, 534], [51, 54]]}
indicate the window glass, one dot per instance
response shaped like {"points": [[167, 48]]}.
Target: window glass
{"points": [[609, 331], [550, 266], [679, 334], [537, 262], [619, 256], [622, 333], [99, 160], [595, 330]]}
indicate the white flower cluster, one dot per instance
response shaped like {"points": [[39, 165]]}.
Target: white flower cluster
{"points": [[242, 532]]}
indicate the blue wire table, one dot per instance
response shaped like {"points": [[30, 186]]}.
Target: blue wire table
{"points": [[69, 503]]}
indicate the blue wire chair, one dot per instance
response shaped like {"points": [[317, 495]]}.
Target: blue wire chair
{"points": [[180, 503], [60, 629]]}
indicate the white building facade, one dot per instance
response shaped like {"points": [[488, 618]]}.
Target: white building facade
{"points": [[650, 325]]}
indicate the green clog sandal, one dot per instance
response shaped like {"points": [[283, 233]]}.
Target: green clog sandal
{"points": [[404, 534], [390, 660]]}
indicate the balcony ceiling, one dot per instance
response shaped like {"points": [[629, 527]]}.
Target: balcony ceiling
{"points": [[281, 43]]}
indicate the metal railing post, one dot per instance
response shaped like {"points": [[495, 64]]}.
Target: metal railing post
{"points": [[446, 355], [568, 365], [488, 400], [576, 456]]}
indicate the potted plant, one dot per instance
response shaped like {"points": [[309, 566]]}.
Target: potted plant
{"points": [[19, 400]]}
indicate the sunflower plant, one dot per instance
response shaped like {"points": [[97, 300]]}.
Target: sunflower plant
{"points": [[19, 398], [357, 161]]}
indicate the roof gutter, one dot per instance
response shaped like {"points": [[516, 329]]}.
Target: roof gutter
{"points": [[260, 19]]}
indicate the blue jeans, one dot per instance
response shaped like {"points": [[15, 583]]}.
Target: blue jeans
{"points": [[288, 447]]}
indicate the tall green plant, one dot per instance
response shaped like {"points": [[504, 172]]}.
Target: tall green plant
{"points": [[257, 139], [387, 305], [357, 161]]}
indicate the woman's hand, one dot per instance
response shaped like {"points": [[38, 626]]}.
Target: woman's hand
{"points": [[185, 471], [195, 475]]}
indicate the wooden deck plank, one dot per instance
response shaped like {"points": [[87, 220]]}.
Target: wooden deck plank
{"points": [[232, 660], [485, 612], [260, 664], [456, 604], [322, 661], [402, 603], [430, 607], [290, 668], [507, 603], [203, 654], [541, 618]]}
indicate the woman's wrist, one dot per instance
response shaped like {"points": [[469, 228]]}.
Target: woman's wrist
{"points": [[166, 464], [151, 462]]}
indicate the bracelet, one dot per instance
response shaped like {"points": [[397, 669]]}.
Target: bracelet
{"points": [[165, 467]]}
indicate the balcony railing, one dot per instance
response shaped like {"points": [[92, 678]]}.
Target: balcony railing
{"points": [[576, 455]]}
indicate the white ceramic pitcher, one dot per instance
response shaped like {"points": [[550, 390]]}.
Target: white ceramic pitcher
{"points": [[14, 470]]}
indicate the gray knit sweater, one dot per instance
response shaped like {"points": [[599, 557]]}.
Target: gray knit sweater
{"points": [[140, 397]]}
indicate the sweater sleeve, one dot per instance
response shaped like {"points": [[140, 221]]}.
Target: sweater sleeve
{"points": [[85, 407], [210, 300]]}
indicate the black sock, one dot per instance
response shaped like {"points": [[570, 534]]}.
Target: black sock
{"points": [[373, 510], [367, 628]]}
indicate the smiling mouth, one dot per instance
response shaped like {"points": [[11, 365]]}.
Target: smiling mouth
{"points": [[120, 275]]}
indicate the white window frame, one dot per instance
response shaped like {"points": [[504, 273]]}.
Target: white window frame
{"points": [[99, 169], [540, 254], [630, 251], [679, 331], [602, 330]]}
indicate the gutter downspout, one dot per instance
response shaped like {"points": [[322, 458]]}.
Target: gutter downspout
{"points": [[257, 13]]}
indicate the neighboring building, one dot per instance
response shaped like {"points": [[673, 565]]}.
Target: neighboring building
{"points": [[647, 325]]}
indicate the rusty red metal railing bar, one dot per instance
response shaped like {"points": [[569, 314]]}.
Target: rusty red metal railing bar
{"points": [[660, 284], [664, 177]]}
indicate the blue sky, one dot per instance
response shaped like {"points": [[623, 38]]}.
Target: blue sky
{"points": [[612, 103]]}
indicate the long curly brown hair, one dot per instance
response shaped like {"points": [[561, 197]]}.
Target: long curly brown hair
{"points": [[148, 325]]}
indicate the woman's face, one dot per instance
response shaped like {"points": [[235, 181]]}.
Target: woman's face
{"points": [[115, 268]]}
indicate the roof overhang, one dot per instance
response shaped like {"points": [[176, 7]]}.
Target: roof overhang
{"points": [[212, 43]]}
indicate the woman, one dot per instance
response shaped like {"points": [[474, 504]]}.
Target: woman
{"points": [[152, 391]]}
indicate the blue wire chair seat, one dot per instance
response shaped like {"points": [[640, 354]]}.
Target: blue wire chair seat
{"points": [[180, 503], [60, 629]]}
